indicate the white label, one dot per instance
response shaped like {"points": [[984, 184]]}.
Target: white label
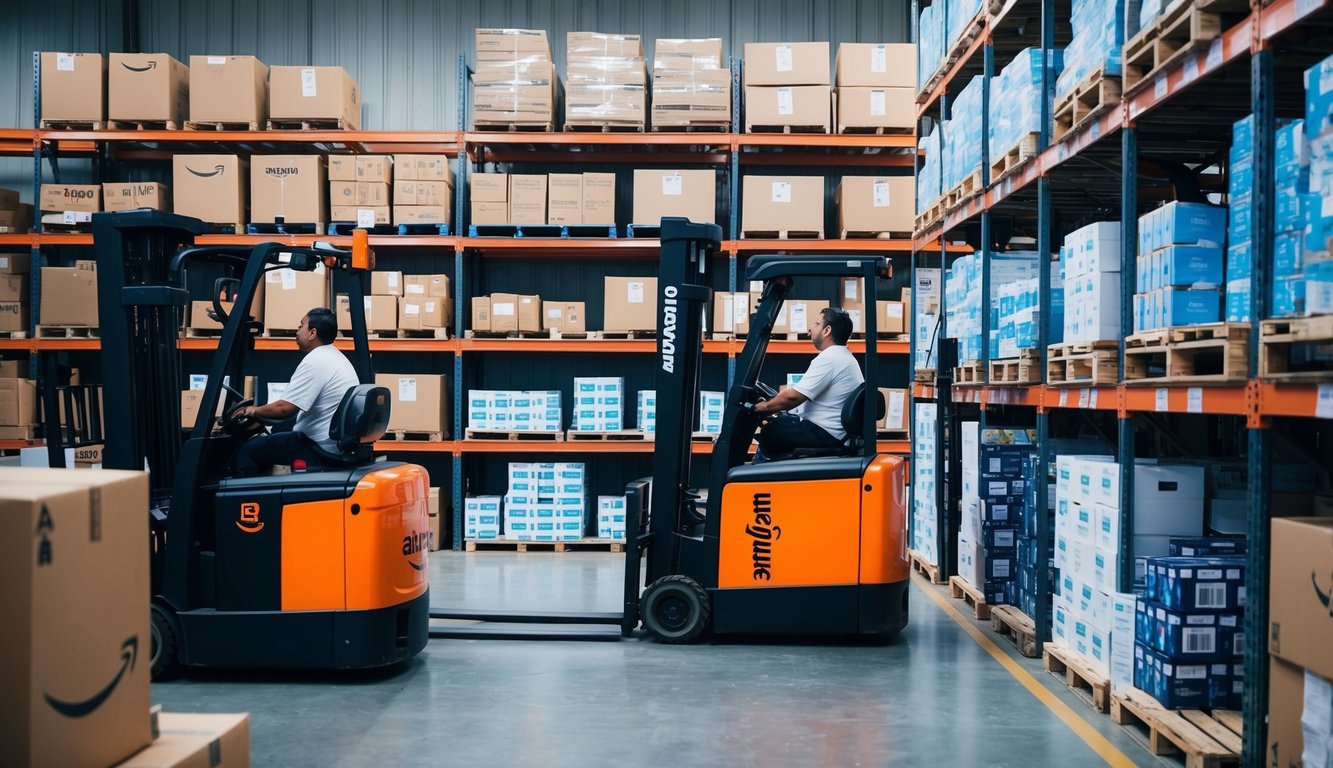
{"points": [[198, 381], [897, 401], [881, 198], [1210, 595], [392, 279], [878, 60], [1064, 398], [634, 292], [365, 218], [1092, 399], [785, 106], [1190, 71], [1192, 672], [430, 306], [1194, 400], [894, 309], [798, 317], [288, 279], [877, 103], [1001, 568], [1163, 400], [65, 62], [407, 389], [998, 488], [414, 288], [413, 309], [365, 302], [503, 309], [1083, 399], [1199, 640], [671, 185], [996, 465], [308, 83], [851, 289], [217, 59], [782, 191], [1159, 87], [1323, 405], [784, 58], [555, 314], [76, 217]]}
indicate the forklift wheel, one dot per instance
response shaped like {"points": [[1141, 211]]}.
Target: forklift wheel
{"points": [[164, 643], [676, 610]]}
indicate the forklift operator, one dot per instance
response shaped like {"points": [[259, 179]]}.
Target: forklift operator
{"points": [[318, 386], [809, 413]]}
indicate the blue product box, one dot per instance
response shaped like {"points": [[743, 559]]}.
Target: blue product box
{"points": [[1004, 512], [1183, 265], [1001, 565], [1174, 685], [1193, 223], [1242, 136], [999, 538], [1199, 583], [1288, 298], [1239, 263], [1241, 221], [1206, 547], [1288, 214], [1226, 685], [1288, 252], [1195, 636], [1319, 98], [1238, 301], [1290, 147], [993, 589], [1240, 182], [1191, 306]]}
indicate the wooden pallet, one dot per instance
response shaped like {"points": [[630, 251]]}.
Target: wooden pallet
{"points": [[413, 436], [1166, 41], [1208, 354], [1093, 363], [626, 335], [286, 228], [951, 57], [1224, 6], [969, 188], [924, 376], [1207, 740], [1097, 93], [932, 214], [703, 126], [515, 435], [506, 334], [605, 126], [520, 126], [924, 567], [961, 590], [850, 234], [511, 545], [875, 130], [67, 332], [1089, 684], [399, 333], [620, 435], [1012, 623], [1016, 371], [1014, 158], [144, 125], [219, 125], [1279, 338], [13, 334], [293, 124], [969, 374], [72, 125], [782, 234], [786, 128], [703, 437]]}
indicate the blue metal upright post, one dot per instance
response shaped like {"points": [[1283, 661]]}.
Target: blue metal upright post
{"points": [[1129, 243], [460, 195], [1044, 247]]}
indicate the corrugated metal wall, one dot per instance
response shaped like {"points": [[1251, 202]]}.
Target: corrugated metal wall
{"points": [[402, 52]]}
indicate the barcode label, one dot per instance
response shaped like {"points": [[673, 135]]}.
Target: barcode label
{"points": [[1238, 644], [1200, 640], [1210, 595], [1189, 673]]}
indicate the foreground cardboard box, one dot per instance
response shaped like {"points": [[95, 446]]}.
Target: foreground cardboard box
{"points": [[75, 548], [314, 93], [210, 188], [876, 65], [228, 89], [874, 108], [129, 197], [876, 204], [196, 741], [782, 204], [515, 312], [85, 198], [527, 198], [630, 304], [381, 313], [18, 402], [563, 316], [1286, 701], [786, 64], [289, 295], [418, 401], [148, 87], [804, 106], [1300, 583], [69, 295], [73, 87], [688, 193], [290, 187]]}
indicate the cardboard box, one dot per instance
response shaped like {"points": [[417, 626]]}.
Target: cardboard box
{"points": [[13, 316], [85, 198], [514, 312], [76, 607], [419, 401], [424, 214], [196, 740], [361, 215], [342, 168], [201, 320], [1286, 702], [489, 213], [128, 197], [481, 313], [496, 44], [630, 304], [228, 89], [314, 93], [512, 103], [148, 87], [289, 295], [875, 108], [1301, 582], [435, 193], [209, 187], [599, 198], [527, 198], [18, 219], [15, 263], [786, 64], [422, 168], [782, 204], [386, 283], [564, 198], [884, 65], [433, 514], [381, 313], [13, 288], [69, 295], [489, 187], [374, 169], [18, 403], [426, 285], [14, 369], [876, 204], [797, 105], [692, 194], [290, 187], [372, 194], [896, 415], [73, 87], [190, 402], [731, 313], [563, 316], [418, 313]]}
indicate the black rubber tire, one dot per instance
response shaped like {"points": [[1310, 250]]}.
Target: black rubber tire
{"points": [[676, 610], [163, 645]]}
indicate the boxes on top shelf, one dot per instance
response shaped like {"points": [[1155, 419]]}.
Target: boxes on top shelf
{"points": [[606, 79], [144, 87], [314, 94], [875, 65], [73, 87], [514, 81], [211, 188], [690, 84], [228, 89], [786, 64]]}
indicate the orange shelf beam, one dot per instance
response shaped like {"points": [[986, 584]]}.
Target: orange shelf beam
{"points": [[754, 141], [16, 345], [1213, 400], [574, 246], [581, 346], [818, 246], [424, 142], [66, 345], [1281, 15], [14, 445], [1295, 400], [421, 446]]}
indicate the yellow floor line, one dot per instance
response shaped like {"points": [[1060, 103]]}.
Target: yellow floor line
{"points": [[1099, 743]]}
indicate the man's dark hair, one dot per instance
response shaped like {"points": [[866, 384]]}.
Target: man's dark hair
{"points": [[839, 322], [325, 324]]}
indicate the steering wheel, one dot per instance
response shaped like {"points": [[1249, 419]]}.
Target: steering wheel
{"points": [[755, 392], [243, 427]]}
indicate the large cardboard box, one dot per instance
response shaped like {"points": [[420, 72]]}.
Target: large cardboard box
{"points": [[196, 741], [426, 285], [489, 187], [290, 187], [73, 87], [874, 108], [796, 105], [14, 369], [74, 556], [563, 316], [422, 168], [564, 201], [289, 295], [876, 204], [876, 65], [419, 401], [599, 198], [631, 304], [418, 313], [689, 193], [209, 187], [69, 295], [527, 198], [18, 402], [13, 316], [1300, 585], [228, 89], [494, 44], [129, 197], [381, 313], [85, 198], [786, 64], [782, 204], [1286, 702], [314, 93], [148, 87]]}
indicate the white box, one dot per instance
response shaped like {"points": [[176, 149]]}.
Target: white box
{"points": [[1106, 569], [1083, 516], [1106, 532]]}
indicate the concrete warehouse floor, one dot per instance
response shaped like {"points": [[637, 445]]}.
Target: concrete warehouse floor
{"points": [[933, 697]]}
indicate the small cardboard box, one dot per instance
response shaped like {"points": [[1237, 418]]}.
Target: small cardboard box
{"points": [[418, 313], [563, 316], [18, 402], [314, 93], [419, 401], [436, 193], [631, 304], [69, 295], [228, 89], [1300, 583], [875, 65], [128, 197], [14, 369], [876, 204], [564, 198], [341, 192], [782, 204], [290, 187], [13, 288], [426, 285], [424, 214], [599, 198], [374, 168], [527, 198], [731, 313], [289, 295], [481, 314], [875, 108], [188, 740], [342, 168], [489, 187], [381, 313], [386, 283], [372, 194], [688, 193], [13, 316], [209, 187], [84, 198], [786, 64], [15, 263], [361, 215], [73, 87], [796, 105], [422, 168], [148, 87]]}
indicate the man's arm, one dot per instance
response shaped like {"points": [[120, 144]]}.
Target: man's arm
{"points": [[278, 410], [784, 401]]}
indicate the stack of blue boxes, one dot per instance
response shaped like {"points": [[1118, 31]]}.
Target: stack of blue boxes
{"points": [[962, 150], [1316, 208], [1015, 99], [1179, 266], [993, 492], [1240, 196], [1036, 565], [1189, 626], [1099, 34], [1291, 164], [930, 43], [928, 181]]}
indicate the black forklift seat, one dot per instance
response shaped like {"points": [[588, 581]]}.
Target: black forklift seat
{"points": [[361, 419], [853, 414]]}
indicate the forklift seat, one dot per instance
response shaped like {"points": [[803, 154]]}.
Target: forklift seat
{"points": [[853, 413], [361, 419]]}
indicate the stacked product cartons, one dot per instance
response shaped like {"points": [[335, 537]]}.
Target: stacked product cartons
{"points": [[1317, 207], [1018, 315], [1180, 262], [930, 43], [926, 318], [690, 85], [925, 515], [481, 518], [520, 502], [787, 85], [1035, 558], [960, 16], [873, 86], [964, 302], [514, 81], [992, 500], [516, 411], [961, 149], [711, 405], [1295, 260], [929, 185], [599, 404], [606, 80], [1099, 35], [359, 189], [423, 189], [1090, 265], [1081, 618], [1240, 202], [1016, 96], [611, 517], [645, 412]]}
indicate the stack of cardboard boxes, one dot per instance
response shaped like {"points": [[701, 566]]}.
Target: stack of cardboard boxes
{"points": [[15, 217], [690, 85], [875, 86], [1179, 266], [546, 502], [787, 86], [645, 411], [1090, 274], [313, 97], [359, 189], [711, 407], [1312, 145], [535, 199], [14, 310], [423, 189], [69, 204], [515, 411], [563, 317], [69, 296], [599, 404], [890, 316], [611, 517], [514, 81], [577, 199], [992, 497], [481, 518], [507, 313], [925, 513], [782, 206], [691, 194], [18, 401], [420, 402], [606, 80]]}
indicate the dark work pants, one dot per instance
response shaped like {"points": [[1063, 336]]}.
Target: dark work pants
{"points": [[786, 432], [258, 455]]}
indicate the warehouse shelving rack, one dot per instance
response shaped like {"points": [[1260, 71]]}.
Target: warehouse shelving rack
{"points": [[1235, 75]]}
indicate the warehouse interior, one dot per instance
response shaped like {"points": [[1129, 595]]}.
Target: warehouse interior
{"points": [[1071, 505]]}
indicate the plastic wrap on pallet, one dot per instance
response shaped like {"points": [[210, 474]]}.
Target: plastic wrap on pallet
{"points": [[961, 14], [1015, 99], [961, 148], [963, 296], [928, 182], [1018, 315], [1099, 35], [930, 43], [1317, 206]]}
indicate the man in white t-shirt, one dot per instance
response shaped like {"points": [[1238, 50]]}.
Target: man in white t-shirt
{"points": [[809, 413], [314, 393]]}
